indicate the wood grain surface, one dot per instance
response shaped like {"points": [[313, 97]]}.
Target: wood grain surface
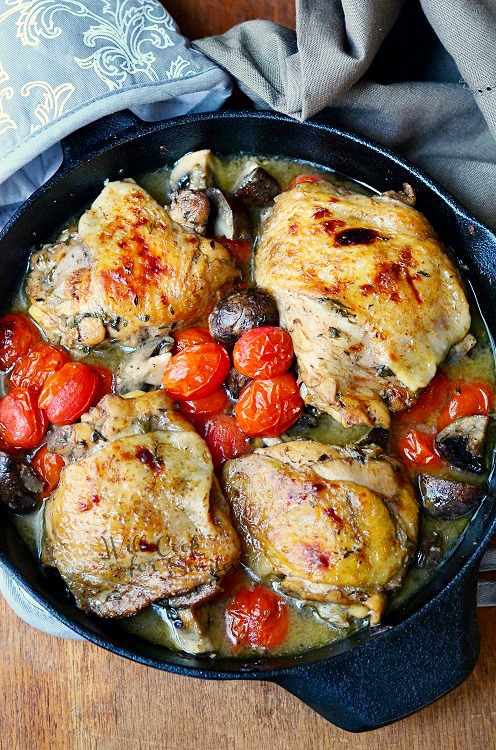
{"points": [[197, 19], [67, 695]]}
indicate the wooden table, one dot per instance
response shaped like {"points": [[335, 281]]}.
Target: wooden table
{"points": [[66, 695]]}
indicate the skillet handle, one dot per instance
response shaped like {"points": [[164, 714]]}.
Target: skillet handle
{"points": [[400, 670], [88, 139]]}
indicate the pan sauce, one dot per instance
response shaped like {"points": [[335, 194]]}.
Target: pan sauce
{"points": [[306, 629]]}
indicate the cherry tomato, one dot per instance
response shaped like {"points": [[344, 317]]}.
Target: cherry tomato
{"points": [[418, 448], [239, 249], [257, 617], [6, 448], [48, 467], [17, 336], [22, 423], [263, 352], [69, 392], [303, 178], [224, 438], [467, 400], [229, 584], [266, 408], [191, 337], [105, 382], [196, 372], [206, 406], [34, 368], [436, 393]]}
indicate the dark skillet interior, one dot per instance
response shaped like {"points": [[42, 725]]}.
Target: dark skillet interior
{"points": [[95, 154]]}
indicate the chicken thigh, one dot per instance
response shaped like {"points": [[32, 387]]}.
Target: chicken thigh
{"points": [[138, 515], [129, 272], [368, 294], [336, 525]]}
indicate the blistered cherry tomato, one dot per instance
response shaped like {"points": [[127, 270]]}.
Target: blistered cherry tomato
{"points": [[263, 352], [105, 382], [224, 438], [467, 400], [191, 337], [206, 406], [418, 448], [17, 336], [434, 396], [48, 467], [34, 368], [257, 617], [69, 392], [196, 372], [303, 178], [267, 408], [239, 249], [22, 422]]}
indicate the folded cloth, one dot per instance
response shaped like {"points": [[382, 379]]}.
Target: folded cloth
{"points": [[444, 128]]}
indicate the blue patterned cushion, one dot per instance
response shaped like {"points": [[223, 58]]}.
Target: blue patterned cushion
{"points": [[64, 63]]}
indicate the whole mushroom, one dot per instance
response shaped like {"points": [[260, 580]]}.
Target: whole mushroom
{"points": [[240, 311]]}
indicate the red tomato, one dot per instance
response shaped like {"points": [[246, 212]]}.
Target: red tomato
{"points": [[6, 448], [229, 584], [105, 382], [191, 337], [263, 352], [224, 439], [48, 467], [196, 372], [17, 336], [257, 617], [429, 401], [22, 423], [239, 249], [266, 408], [303, 178], [34, 368], [418, 448], [206, 406], [467, 400], [69, 392]]}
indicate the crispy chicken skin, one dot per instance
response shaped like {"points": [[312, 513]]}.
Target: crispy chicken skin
{"points": [[138, 515], [128, 272], [370, 298], [336, 525]]}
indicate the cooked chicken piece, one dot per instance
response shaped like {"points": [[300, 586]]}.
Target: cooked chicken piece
{"points": [[370, 298], [129, 273], [140, 516], [335, 524]]}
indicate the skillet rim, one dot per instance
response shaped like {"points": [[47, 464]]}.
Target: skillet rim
{"points": [[254, 669]]}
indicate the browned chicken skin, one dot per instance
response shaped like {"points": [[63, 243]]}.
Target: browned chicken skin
{"points": [[138, 516], [129, 272], [335, 525], [370, 298]]}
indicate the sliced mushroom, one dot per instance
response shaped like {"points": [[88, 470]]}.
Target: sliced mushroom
{"points": [[228, 216], [188, 628], [191, 209], [194, 170], [407, 195], [145, 365], [460, 349], [239, 312], [19, 487], [256, 186], [462, 443], [446, 499]]}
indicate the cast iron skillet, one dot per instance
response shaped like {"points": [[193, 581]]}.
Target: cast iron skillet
{"points": [[428, 647]]}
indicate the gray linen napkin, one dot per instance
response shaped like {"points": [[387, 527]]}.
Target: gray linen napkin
{"points": [[444, 127]]}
